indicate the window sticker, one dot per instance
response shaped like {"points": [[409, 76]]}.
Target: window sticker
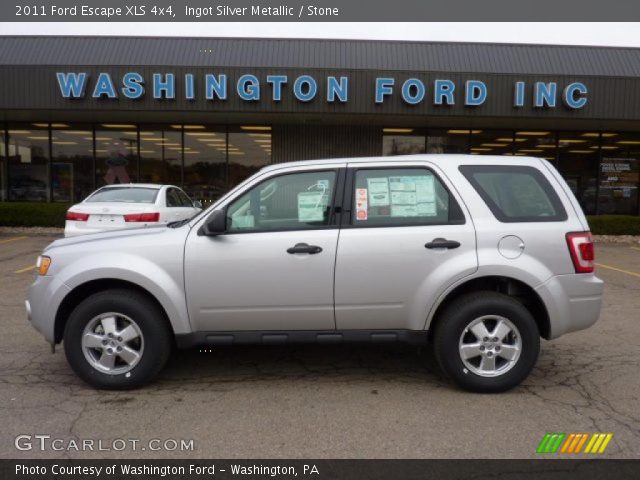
{"points": [[402, 184], [311, 206], [426, 209], [378, 191], [425, 189], [243, 221], [404, 211], [362, 206], [403, 198]]}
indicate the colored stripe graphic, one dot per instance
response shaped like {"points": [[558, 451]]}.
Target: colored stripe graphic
{"points": [[572, 443], [550, 443]]}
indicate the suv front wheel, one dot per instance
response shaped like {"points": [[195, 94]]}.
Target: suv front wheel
{"points": [[486, 342], [117, 339]]}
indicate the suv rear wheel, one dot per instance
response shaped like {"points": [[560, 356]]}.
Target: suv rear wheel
{"points": [[486, 342], [117, 339]]}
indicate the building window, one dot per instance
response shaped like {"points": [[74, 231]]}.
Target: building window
{"points": [[578, 158], [205, 162], [3, 166], [71, 162], [536, 143], [160, 155], [449, 141], [491, 142], [249, 150], [28, 162], [619, 173], [116, 154], [403, 141]]}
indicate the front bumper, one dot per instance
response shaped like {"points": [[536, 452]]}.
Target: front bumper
{"points": [[43, 300], [573, 302]]}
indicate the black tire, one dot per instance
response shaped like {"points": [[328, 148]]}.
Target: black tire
{"points": [[454, 320], [156, 332]]}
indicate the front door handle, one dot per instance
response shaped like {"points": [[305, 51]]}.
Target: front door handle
{"points": [[442, 243], [304, 248]]}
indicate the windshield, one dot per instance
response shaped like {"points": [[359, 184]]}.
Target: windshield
{"points": [[124, 195]]}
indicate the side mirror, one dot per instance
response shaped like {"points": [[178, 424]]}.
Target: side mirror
{"points": [[216, 224], [197, 204]]}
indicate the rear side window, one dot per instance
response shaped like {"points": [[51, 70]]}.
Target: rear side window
{"points": [[515, 193], [401, 197]]}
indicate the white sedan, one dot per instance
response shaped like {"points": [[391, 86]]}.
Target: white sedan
{"points": [[129, 205]]}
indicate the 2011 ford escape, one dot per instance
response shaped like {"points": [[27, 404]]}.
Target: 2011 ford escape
{"points": [[478, 256]]}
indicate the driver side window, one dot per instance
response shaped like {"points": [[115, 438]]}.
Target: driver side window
{"points": [[295, 201]]}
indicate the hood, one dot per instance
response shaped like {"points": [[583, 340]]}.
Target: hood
{"points": [[117, 235]]}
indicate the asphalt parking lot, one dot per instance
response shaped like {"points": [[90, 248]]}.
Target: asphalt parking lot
{"points": [[325, 402]]}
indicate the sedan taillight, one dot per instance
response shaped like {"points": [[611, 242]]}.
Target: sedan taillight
{"points": [[582, 251], [77, 216], [142, 217]]}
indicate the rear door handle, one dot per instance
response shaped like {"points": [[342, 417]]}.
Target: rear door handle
{"points": [[304, 248], [442, 243]]}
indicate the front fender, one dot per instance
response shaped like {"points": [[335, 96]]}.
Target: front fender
{"points": [[165, 282]]}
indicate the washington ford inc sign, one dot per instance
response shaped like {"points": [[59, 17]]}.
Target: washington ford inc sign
{"points": [[305, 88]]}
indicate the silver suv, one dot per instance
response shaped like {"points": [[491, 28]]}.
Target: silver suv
{"points": [[477, 256]]}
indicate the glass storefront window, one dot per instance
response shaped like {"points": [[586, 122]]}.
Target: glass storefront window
{"points": [[71, 162], [28, 162], [205, 162], [403, 141], [536, 143], [3, 165], [492, 142], [619, 173], [450, 141], [249, 150], [578, 157], [116, 154], [160, 155]]}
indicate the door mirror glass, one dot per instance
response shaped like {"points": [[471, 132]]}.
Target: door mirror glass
{"points": [[197, 204], [216, 224]]}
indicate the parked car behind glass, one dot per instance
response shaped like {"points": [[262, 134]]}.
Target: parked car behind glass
{"points": [[131, 205]]}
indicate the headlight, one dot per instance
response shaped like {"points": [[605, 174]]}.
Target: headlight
{"points": [[42, 264]]}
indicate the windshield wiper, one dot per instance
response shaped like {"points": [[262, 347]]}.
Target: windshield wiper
{"points": [[178, 223]]}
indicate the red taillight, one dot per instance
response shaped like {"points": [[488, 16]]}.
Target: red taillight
{"points": [[142, 217], [582, 251], [77, 217]]}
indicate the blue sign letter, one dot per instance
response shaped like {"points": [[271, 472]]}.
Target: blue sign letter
{"points": [[574, 95], [337, 89], [249, 88], [384, 86], [104, 86], [475, 93], [215, 87], [72, 84], [408, 96], [166, 88], [545, 93], [189, 87], [443, 89], [132, 82], [312, 88], [277, 81], [518, 97]]}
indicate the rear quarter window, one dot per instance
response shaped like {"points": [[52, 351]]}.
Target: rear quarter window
{"points": [[515, 193]]}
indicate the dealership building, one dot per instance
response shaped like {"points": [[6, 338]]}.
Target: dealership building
{"points": [[77, 113]]}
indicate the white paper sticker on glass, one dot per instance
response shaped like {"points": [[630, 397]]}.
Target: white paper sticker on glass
{"points": [[311, 206], [378, 191]]}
